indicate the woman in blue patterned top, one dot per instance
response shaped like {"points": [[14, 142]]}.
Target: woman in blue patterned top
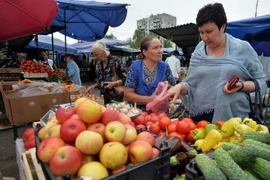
{"points": [[145, 74]]}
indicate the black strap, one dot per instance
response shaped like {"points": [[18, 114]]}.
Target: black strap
{"points": [[254, 111]]}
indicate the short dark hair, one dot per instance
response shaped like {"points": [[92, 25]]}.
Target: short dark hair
{"points": [[213, 13], [175, 52]]}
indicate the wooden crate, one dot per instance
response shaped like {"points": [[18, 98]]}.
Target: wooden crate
{"points": [[32, 169]]}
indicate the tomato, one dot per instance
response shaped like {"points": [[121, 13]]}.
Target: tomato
{"points": [[187, 119], [164, 122], [27, 133], [183, 127], [139, 120], [147, 118], [144, 114], [189, 137], [154, 128], [148, 123], [161, 115], [177, 135], [154, 119], [175, 122], [202, 124], [153, 114], [171, 128], [220, 123], [192, 125]]}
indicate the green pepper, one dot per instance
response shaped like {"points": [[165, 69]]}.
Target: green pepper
{"points": [[198, 134], [209, 127]]}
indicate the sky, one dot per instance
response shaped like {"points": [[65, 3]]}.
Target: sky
{"points": [[184, 10]]}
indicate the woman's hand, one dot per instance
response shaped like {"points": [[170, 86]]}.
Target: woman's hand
{"points": [[109, 85], [173, 92], [238, 86], [91, 88]]}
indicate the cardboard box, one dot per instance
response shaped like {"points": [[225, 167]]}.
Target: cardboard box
{"points": [[22, 110]]}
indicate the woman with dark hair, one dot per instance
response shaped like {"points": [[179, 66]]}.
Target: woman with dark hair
{"points": [[145, 74], [216, 59]]}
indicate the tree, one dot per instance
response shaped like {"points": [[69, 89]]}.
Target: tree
{"points": [[110, 36]]}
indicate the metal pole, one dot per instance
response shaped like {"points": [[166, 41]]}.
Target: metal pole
{"points": [[256, 8], [65, 31], [53, 49]]}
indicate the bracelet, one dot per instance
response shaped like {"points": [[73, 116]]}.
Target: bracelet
{"points": [[242, 86]]}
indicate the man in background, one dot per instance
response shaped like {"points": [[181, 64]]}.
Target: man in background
{"points": [[174, 64], [73, 69], [46, 60]]}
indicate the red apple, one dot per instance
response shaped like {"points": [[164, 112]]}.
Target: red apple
{"points": [[63, 114], [140, 151], [70, 129], [115, 131], [130, 136], [75, 116], [89, 111], [89, 142], [97, 127], [146, 136], [48, 146], [66, 160], [125, 119], [155, 152], [109, 115], [113, 155]]}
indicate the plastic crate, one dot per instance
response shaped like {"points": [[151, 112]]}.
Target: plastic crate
{"points": [[154, 169], [192, 171]]}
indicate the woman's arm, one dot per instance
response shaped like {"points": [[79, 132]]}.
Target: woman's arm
{"points": [[131, 96]]}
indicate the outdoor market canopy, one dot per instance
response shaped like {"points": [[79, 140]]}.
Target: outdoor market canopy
{"points": [[45, 42], [88, 20], [86, 47]]}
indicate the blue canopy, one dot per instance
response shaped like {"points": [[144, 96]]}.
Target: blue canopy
{"points": [[88, 20], [254, 30], [45, 42], [86, 47]]}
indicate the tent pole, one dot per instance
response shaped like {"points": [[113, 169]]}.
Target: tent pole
{"points": [[36, 39], [53, 48], [65, 31]]}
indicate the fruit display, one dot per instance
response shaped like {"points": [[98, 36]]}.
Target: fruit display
{"points": [[92, 141]]}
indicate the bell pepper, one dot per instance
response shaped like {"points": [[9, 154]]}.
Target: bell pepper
{"points": [[226, 139], [198, 134], [227, 128], [235, 139], [198, 144], [250, 122], [211, 140], [241, 128], [261, 128], [209, 127]]}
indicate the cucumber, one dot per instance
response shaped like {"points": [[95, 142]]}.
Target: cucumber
{"points": [[227, 165], [263, 151], [209, 168], [250, 175], [261, 168], [229, 146], [262, 137]]}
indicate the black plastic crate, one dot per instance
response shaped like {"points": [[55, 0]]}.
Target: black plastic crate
{"points": [[154, 169]]}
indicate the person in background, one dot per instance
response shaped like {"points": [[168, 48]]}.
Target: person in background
{"points": [[145, 74], [174, 64], [216, 59], [73, 69], [46, 60], [107, 67]]}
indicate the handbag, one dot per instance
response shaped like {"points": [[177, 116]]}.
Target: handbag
{"points": [[256, 109], [119, 90]]}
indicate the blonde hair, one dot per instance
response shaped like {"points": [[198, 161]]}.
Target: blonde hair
{"points": [[101, 46]]}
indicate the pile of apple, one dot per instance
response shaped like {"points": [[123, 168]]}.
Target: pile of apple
{"points": [[91, 141]]}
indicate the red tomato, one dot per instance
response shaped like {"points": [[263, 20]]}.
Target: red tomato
{"points": [[27, 133], [202, 124], [175, 122], [155, 128], [148, 118], [144, 114], [153, 114], [177, 135], [164, 122], [140, 126], [189, 137], [187, 119], [139, 120], [171, 128], [154, 119], [183, 127], [192, 125], [161, 115], [148, 123]]}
